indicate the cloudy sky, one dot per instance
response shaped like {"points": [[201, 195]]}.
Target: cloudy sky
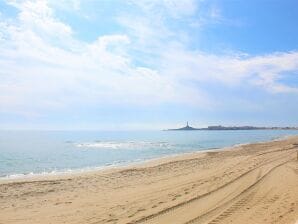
{"points": [[138, 64]]}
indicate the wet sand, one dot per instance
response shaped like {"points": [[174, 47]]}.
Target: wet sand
{"points": [[254, 183]]}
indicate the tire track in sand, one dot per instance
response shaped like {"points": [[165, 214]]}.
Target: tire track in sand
{"points": [[250, 174], [221, 212]]}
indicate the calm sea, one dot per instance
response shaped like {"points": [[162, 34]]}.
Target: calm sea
{"points": [[51, 152]]}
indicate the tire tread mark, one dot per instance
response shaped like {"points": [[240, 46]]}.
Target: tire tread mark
{"points": [[195, 220], [169, 209]]}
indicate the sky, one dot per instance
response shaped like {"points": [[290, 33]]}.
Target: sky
{"points": [[147, 65]]}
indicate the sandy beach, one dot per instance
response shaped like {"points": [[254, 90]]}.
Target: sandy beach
{"points": [[254, 183]]}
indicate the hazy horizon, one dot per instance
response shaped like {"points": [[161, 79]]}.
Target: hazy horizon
{"points": [[147, 65]]}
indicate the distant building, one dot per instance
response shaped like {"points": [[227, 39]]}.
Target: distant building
{"points": [[186, 128], [233, 128]]}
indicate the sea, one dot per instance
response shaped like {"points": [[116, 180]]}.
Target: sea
{"points": [[31, 153]]}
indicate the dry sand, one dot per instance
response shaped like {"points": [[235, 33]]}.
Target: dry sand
{"points": [[255, 183]]}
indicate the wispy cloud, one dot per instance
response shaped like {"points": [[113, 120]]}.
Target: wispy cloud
{"points": [[45, 67], [264, 71]]}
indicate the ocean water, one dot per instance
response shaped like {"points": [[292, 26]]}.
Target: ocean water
{"points": [[26, 153]]}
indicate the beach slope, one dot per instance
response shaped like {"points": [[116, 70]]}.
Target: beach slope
{"points": [[254, 183]]}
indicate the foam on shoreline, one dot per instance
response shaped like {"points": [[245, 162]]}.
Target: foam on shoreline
{"points": [[123, 165]]}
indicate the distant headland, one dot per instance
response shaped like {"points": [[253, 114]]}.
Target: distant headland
{"points": [[224, 128]]}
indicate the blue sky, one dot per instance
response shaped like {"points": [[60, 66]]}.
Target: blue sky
{"points": [[135, 65]]}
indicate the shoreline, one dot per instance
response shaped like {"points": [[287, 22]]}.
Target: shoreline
{"points": [[90, 170], [60, 174], [258, 181]]}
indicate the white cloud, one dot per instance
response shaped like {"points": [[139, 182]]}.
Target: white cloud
{"points": [[264, 71], [180, 8], [44, 67], [38, 16], [36, 74], [67, 5], [173, 8]]}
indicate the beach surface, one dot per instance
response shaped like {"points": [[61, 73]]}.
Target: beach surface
{"points": [[253, 183]]}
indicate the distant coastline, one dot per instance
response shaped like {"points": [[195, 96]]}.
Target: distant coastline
{"points": [[226, 128]]}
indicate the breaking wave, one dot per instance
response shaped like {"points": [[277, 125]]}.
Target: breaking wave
{"points": [[124, 145]]}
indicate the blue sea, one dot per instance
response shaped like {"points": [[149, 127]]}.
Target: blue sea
{"points": [[27, 153]]}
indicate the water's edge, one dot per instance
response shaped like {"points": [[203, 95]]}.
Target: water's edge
{"points": [[125, 165]]}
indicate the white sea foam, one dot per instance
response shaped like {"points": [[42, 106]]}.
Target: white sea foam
{"points": [[124, 145], [90, 152], [31, 174], [67, 171]]}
